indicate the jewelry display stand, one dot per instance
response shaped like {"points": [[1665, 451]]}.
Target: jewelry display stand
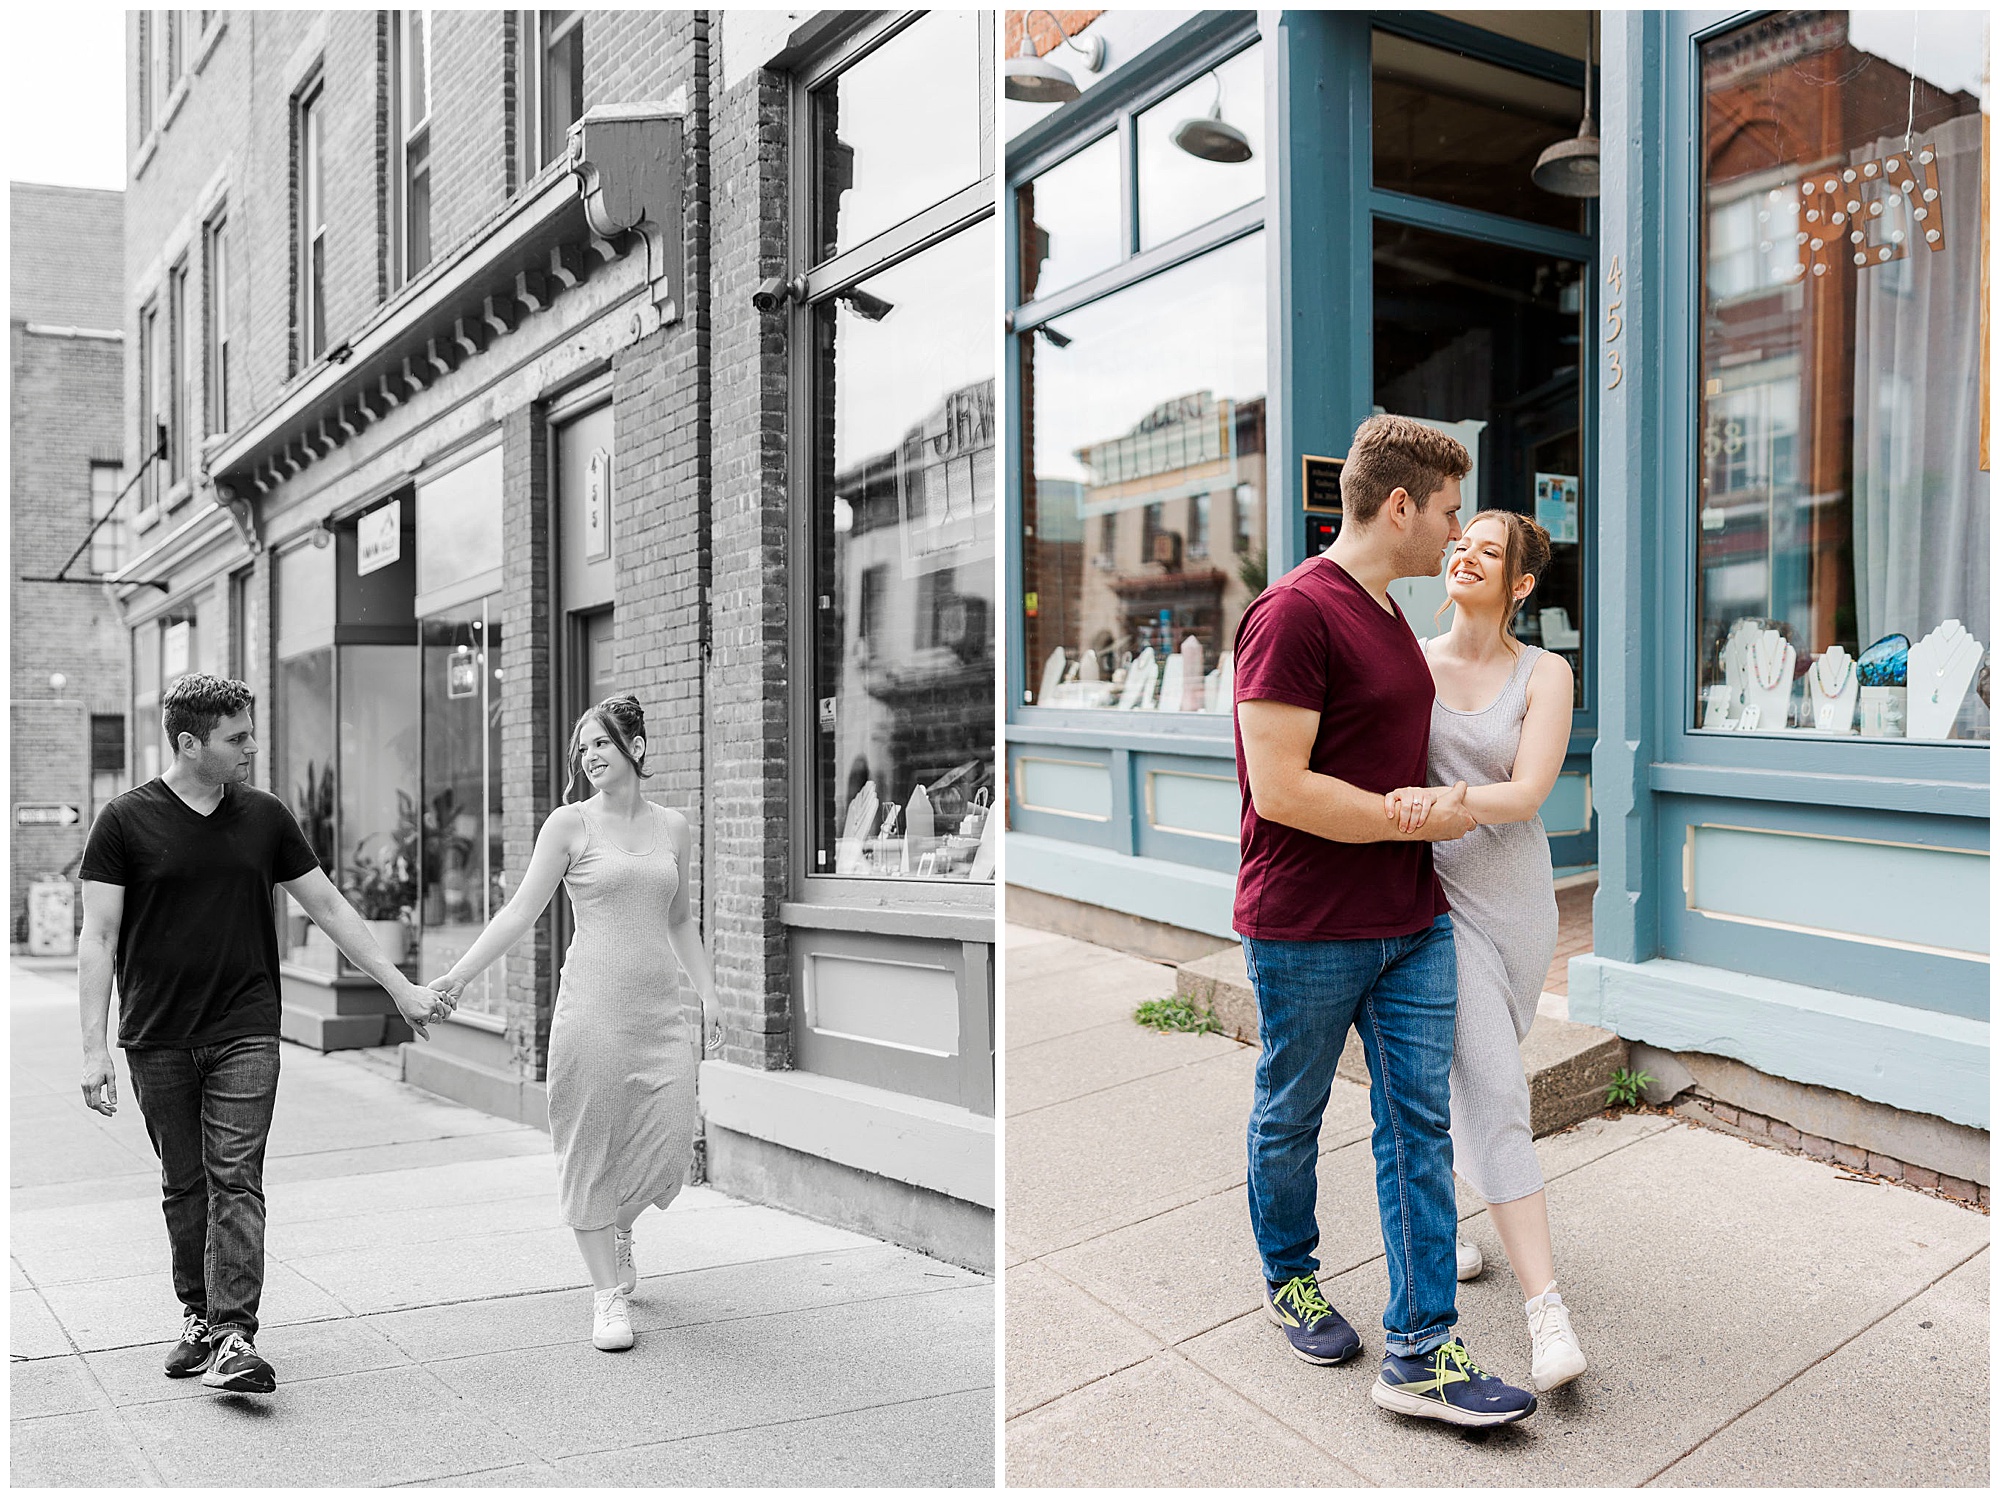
{"points": [[1735, 668], [1942, 665], [1192, 697], [1832, 688], [1139, 679], [1767, 682], [1052, 675], [1223, 698], [1089, 671], [1879, 713], [1170, 684]]}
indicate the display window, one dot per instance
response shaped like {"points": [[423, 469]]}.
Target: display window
{"points": [[900, 391], [304, 776], [1842, 514], [1142, 424], [460, 860]]}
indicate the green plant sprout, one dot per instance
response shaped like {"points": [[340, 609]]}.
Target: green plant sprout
{"points": [[1177, 1015], [1626, 1087]]}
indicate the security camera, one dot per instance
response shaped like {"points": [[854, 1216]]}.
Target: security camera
{"points": [[776, 291]]}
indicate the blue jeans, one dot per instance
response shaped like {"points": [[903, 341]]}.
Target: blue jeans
{"points": [[208, 1112], [1401, 994]]}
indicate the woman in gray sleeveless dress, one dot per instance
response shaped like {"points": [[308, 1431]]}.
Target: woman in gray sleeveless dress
{"points": [[624, 1042], [1501, 724]]}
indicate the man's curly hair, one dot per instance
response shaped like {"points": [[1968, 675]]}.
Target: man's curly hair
{"points": [[196, 703]]}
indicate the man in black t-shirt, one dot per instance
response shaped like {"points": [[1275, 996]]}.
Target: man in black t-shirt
{"points": [[177, 881]]}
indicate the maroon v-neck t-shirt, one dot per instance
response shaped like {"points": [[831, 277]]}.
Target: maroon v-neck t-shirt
{"points": [[1317, 639]]}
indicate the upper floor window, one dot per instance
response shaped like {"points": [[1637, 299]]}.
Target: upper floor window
{"points": [[311, 248], [1843, 492], [107, 542], [559, 80], [180, 352], [160, 59], [150, 362], [217, 404], [412, 113]]}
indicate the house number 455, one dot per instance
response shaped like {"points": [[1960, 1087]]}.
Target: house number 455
{"points": [[1614, 324]]}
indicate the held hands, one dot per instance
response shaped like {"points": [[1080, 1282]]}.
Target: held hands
{"points": [[421, 1007], [1430, 813], [100, 1084]]}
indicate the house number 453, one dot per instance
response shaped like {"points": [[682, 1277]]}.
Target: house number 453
{"points": [[1614, 325]]}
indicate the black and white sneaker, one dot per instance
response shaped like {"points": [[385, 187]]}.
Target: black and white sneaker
{"points": [[191, 1354], [237, 1367]]}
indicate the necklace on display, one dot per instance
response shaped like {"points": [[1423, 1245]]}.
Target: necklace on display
{"points": [[1950, 656], [1757, 660], [1846, 674]]}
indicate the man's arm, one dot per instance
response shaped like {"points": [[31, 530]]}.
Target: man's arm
{"points": [[329, 911], [96, 956], [1277, 754]]}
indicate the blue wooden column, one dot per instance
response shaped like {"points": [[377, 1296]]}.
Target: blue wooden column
{"points": [[1321, 306]]}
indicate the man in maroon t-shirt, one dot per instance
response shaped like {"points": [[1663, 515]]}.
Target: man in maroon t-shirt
{"points": [[1344, 923]]}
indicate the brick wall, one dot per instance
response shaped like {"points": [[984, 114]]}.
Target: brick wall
{"points": [[64, 413], [1042, 31], [526, 755], [749, 799]]}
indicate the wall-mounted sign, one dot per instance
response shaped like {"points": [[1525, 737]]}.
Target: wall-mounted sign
{"points": [[378, 538], [1555, 506], [47, 816], [597, 508], [174, 650], [1319, 483], [461, 676]]}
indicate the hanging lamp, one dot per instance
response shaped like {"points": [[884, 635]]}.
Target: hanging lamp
{"points": [[1210, 137], [1031, 79], [1569, 168]]}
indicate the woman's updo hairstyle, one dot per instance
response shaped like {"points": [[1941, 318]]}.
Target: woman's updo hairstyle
{"points": [[1527, 555], [624, 720]]}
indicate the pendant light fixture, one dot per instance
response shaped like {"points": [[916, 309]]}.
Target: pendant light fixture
{"points": [[1035, 80], [1569, 167], [1210, 136]]}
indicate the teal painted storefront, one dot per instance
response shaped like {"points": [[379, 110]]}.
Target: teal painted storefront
{"points": [[1814, 909]]}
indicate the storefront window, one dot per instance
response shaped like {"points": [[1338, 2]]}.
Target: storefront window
{"points": [[301, 736], [461, 856], [1462, 131], [1142, 420], [904, 567], [1201, 150], [146, 729], [874, 171], [1842, 520], [380, 826]]}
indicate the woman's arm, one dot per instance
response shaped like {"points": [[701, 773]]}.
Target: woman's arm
{"points": [[685, 938], [1544, 742], [555, 845]]}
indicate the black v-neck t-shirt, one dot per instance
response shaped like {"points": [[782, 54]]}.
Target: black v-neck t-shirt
{"points": [[197, 955]]}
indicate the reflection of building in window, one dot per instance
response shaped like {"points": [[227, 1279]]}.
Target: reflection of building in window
{"points": [[1159, 587], [915, 700]]}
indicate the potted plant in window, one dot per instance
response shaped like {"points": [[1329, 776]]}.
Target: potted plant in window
{"points": [[383, 890]]}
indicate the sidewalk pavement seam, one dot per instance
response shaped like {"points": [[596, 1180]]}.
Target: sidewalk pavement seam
{"points": [[736, 1430], [1158, 1346], [1785, 1384], [122, 1431], [1121, 1082], [1279, 1420]]}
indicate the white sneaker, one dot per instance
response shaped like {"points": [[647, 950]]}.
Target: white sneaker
{"points": [[611, 1326], [1471, 1262], [1558, 1358], [628, 1272]]}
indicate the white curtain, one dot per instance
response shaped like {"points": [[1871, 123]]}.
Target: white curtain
{"points": [[1921, 503]]}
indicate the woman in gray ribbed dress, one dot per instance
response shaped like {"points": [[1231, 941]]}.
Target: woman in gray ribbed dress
{"points": [[1501, 724], [623, 1045]]}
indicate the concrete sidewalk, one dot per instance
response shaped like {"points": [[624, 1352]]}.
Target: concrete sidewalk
{"points": [[1753, 1318], [429, 1317]]}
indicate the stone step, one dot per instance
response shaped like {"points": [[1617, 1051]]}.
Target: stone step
{"points": [[1569, 1065]]}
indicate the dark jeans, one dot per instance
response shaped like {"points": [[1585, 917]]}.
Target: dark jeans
{"points": [[208, 1111], [1401, 994]]}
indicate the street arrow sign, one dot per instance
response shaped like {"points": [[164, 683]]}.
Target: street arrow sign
{"points": [[46, 816]]}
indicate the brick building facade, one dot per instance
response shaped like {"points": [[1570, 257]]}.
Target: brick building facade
{"points": [[67, 431], [478, 424]]}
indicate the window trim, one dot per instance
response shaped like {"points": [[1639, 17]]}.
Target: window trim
{"points": [[959, 212], [148, 413], [308, 130], [215, 304], [406, 137], [549, 32], [113, 534]]}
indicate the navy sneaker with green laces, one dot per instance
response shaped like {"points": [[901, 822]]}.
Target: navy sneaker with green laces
{"points": [[1318, 1333], [1445, 1384]]}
